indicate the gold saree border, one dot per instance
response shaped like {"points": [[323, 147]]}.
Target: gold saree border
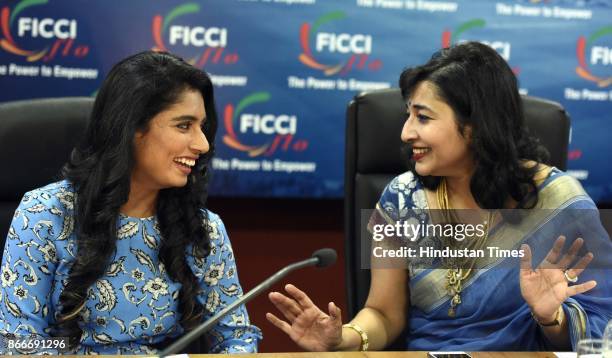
{"points": [[429, 292]]}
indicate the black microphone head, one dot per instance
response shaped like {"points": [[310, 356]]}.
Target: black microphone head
{"points": [[327, 257]]}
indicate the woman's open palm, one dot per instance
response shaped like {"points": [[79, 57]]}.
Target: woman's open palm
{"points": [[308, 326], [546, 288]]}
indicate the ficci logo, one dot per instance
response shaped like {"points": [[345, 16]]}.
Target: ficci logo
{"points": [[62, 31], [599, 55], [357, 46], [213, 40], [502, 47], [280, 128]]}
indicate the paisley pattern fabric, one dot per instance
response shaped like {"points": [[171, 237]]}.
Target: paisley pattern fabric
{"points": [[135, 304]]}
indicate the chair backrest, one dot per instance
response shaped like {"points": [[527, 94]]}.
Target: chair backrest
{"points": [[373, 158], [36, 137]]}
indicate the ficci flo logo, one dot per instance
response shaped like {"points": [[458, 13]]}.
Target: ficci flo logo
{"points": [[278, 131], [63, 31], [452, 37], [599, 55], [213, 40], [358, 46]]}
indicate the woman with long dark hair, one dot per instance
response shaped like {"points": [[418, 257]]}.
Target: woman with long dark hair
{"points": [[469, 149], [121, 256]]}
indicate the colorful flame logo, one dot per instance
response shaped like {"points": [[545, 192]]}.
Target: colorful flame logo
{"points": [[160, 24], [8, 43], [306, 32], [583, 69], [232, 115], [449, 38]]}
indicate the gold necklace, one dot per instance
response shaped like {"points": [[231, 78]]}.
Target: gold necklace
{"points": [[455, 276]]}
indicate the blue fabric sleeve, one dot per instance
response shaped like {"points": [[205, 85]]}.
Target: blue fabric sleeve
{"points": [[401, 196], [28, 266], [218, 279]]}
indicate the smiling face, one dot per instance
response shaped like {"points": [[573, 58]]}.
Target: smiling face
{"points": [[438, 148], [167, 150]]}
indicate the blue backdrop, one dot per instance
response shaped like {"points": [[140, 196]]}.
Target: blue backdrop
{"points": [[284, 70]]}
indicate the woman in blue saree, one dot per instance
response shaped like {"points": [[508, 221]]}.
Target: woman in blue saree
{"points": [[487, 317], [470, 150]]}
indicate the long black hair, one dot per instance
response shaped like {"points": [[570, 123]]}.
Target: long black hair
{"points": [[135, 90], [477, 83]]}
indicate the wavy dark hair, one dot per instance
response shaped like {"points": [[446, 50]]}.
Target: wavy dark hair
{"points": [[135, 90], [477, 83]]}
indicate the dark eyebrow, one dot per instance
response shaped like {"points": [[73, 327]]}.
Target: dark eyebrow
{"points": [[420, 107], [187, 118]]}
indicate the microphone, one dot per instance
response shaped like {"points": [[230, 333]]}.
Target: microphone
{"points": [[320, 258]]}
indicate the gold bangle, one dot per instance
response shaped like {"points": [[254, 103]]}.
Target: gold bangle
{"points": [[364, 336]]}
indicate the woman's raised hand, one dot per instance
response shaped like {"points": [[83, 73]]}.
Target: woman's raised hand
{"points": [[547, 287], [308, 326]]}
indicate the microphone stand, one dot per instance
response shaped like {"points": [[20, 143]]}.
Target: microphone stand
{"points": [[206, 326]]}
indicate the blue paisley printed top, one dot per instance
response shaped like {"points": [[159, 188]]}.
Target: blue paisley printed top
{"points": [[135, 303]]}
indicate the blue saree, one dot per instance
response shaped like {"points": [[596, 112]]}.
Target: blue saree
{"points": [[493, 315]]}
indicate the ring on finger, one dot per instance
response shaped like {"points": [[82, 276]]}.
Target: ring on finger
{"points": [[569, 278]]}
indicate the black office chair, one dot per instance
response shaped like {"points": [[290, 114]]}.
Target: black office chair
{"points": [[373, 159], [37, 137]]}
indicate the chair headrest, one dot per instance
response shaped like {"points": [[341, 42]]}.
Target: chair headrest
{"points": [[379, 116], [37, 137]]}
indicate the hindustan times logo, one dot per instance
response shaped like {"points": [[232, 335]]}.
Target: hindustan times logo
{"points": [[598, 56], [357, 46], [63, 31], [277, 131], [211, 42]]}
